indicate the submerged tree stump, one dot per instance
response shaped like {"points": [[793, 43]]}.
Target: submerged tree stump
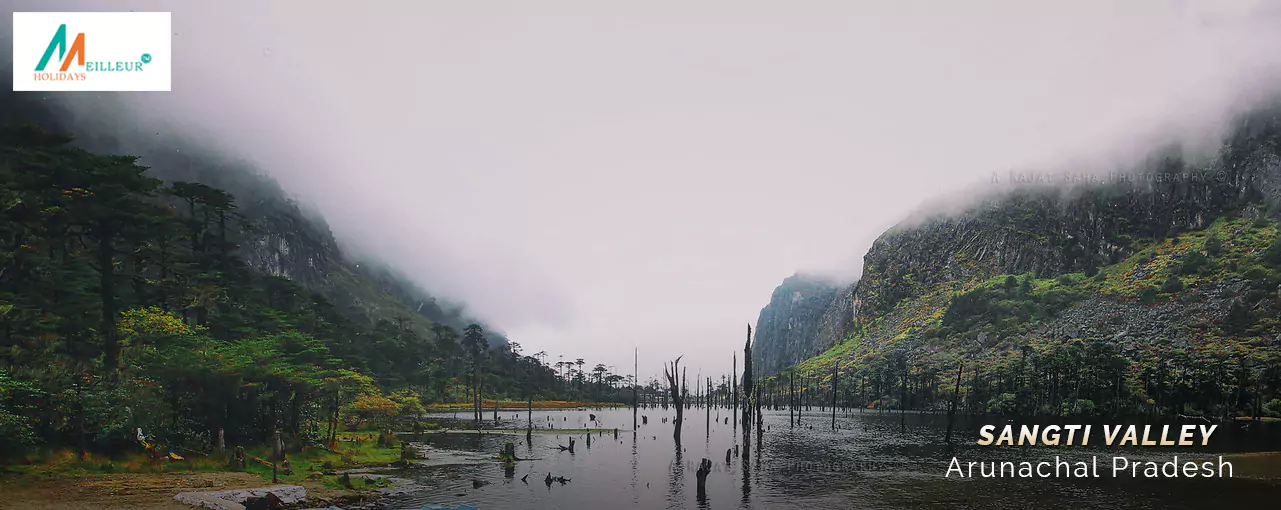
{"points": [[704, 468]]}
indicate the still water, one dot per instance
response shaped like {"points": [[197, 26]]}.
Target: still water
{"points": [[870, 461]]}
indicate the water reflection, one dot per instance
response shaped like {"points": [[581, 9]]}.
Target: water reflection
{"points": [[674, 498], [871, 459]]}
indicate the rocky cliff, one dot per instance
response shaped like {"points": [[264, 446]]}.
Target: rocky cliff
{"points": [[791, 327], [1054, 230], [1111, 240]]}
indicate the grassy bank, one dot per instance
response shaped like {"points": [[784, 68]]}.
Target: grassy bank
{"points": [[308, 467]]}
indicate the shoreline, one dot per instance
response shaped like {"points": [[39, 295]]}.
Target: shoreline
{"points": [[538, 405]]}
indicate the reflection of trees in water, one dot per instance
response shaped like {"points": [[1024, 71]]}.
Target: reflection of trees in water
{"points": [[676, 488], [634, 463]]}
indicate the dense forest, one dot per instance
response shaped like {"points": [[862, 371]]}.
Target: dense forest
{"points": [[125, 303]]}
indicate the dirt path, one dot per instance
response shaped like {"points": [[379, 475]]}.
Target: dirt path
{"points": [[123, 491]]}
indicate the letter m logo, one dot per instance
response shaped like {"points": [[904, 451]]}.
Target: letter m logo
{"points": [[59, 43]]}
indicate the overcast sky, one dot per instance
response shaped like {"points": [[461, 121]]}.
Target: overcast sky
{"points": [[596, 176]]}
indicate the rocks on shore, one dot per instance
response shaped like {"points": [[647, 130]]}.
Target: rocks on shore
{"points": [[242, 499]]}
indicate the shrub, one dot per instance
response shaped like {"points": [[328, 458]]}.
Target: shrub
{"points": [[1239, 318], [1213, 245], [1192, 263], [1078, 407], [1273, 407], [15, 427], [372, 409], [1172, 284], [18, 435], [1258, 276], [1272, 256], [1004, 403]]}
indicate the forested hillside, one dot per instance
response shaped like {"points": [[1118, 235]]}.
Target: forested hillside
{"points": [[138, 292], [282, 238], [126, 303], [1155, 294]]}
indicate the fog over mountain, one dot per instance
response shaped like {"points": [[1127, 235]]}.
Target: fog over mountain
{"points": [[592, 177]]}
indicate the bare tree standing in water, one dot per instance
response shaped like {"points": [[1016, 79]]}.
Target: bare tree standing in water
{"points": [[747, 393], [678, 399]]}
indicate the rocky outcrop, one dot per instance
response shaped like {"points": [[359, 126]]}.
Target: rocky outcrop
{"points": [[1077, 226], [803, 318]]}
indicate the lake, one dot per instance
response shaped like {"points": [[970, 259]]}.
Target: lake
{"points": [[870, 461]]}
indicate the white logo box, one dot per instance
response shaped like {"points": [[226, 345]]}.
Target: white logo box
{"points": [[121, 51]]}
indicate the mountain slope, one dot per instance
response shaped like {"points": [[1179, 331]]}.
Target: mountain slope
{"points": [[1157, 294], [282, 238]]}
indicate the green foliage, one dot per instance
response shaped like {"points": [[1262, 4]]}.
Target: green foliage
{"points": [[1213, 245], [1272, 256], [126, 305], [16, 399], [1078, 407], [1239, 318], [1148, 294], [1273, 408], [1192, 263], [1218, 367], [1003, 307], [1005, 403]]}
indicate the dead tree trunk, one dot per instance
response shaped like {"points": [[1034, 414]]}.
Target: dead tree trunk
{"points": [[760, 425], [791, 401], [836, 373], [708, 408], [635, 384], [951, 410], [678, 399], [704, 468], [747, 394], [902, 401], [747, 378]]}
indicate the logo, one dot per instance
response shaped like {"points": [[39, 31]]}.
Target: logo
{"points": [[59, 43], [91, 51]]}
